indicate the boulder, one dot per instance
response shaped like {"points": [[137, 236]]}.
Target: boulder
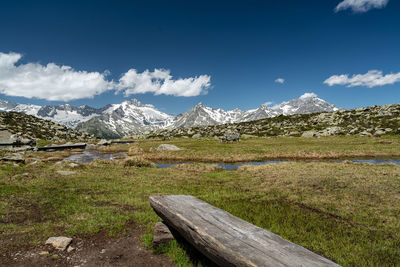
{"points": [[104, 142], [309, 134], [162, 234], [196, 136], [7, 138], [365, 133], [167, 147]]}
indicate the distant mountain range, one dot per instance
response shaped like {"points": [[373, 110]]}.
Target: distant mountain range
{"points": [[132, 117]]}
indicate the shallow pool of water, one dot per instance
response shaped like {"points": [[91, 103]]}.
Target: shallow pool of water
{"points": [[233, 166], [90, 155]]}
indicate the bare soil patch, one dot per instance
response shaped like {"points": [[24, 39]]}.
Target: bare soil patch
{"points": [[95, 250]]}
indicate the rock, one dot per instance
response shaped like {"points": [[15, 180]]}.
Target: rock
{"points": [[23, 149], [43, 253], [365, 133], [23, 175], [247, 136], [33, 163], [91, 146], [70, 249], [309, 134], [65, 173], [167, 147], [104, 142], [335, 130], [162, 234], [379, 132], [15, 158], [7, 137], [73, 165], [196, 136], [59, 242]]}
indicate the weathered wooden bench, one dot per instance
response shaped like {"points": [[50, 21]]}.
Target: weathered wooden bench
{"points": [[228, 240], [227, 138]]}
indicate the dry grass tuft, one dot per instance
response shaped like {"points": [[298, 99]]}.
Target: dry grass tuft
{"points": [[197, 167], [137, 161], [135, 150]]}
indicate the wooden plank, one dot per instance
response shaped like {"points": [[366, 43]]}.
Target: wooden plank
{"points": [[228, 240]]}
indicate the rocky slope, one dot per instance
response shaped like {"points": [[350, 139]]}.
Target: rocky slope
{"points": [[31, 127], [376, 120]]}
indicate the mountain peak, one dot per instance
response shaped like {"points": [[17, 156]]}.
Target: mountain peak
{"points": [[134, 102], [200, 104]]}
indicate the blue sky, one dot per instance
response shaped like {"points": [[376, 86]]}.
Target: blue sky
{"points": [[228, 53]]}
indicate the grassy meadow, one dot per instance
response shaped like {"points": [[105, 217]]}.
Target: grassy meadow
{"points": [[348, 212]]}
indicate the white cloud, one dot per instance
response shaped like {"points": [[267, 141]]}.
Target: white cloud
{"points": [[63, 83], [371, 79], [360, 6], [161, 82], [308, 95], [51, 82], [280, 80], [268, 103]]}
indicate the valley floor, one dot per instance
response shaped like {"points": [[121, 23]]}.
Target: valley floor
{"points": [[348, 212]]}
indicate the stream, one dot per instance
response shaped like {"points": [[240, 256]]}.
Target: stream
{"points": [[90, 155]]}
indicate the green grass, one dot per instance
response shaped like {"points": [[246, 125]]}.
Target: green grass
{"points": [[258, 149], [347, 212]]}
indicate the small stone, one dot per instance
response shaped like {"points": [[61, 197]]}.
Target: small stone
{"points": [[73, 165], [65, 173], [167, 147], [162, 234], [103, 251], [42, 253], [70, 249], [59, 242]]}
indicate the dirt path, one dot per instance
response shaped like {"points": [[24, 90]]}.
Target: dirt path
{"points": [[96, 251]]}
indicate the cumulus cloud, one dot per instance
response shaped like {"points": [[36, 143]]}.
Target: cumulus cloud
{"points": [[360, 6], [308, 95], [160, 82], [63, 83], [280, 80], [51, 82], [371, 79]]}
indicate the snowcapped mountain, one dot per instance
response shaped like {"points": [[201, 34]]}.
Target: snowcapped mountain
{"points": [[63, 114], [202, 115], [307, 103], [129, 117], [132, 117]]}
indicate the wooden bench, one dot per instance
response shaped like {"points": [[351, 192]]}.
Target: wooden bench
{"points": [[228, 240], [227, 138]]}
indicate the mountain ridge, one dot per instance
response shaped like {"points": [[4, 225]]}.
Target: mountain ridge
{"points": [[132, 117]]}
